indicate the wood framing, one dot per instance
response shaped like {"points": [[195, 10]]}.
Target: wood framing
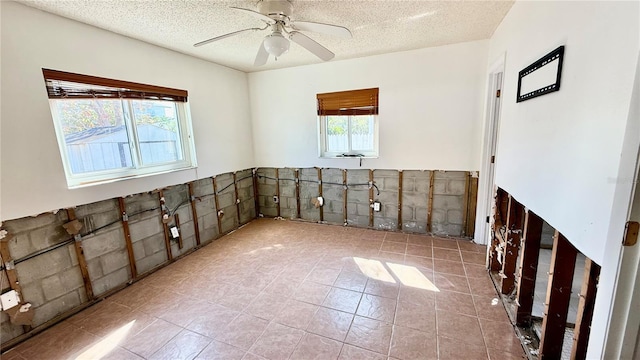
{"points": [[235, 189], [370, 198], [256, 202], [82, 262], [528, 268], [344, 195], [194, 213], [472, 204], [515, 219], [177, 224], [277, 192], [563, 261], [215, 199], [585, 310], [163, 212], [400, 200], [297, 193], [430, 200], [499, 236], [320, 193], [465, 203], [127, 238]]}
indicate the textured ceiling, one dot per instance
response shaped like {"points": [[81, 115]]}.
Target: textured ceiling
{"points": [[378, 26]]}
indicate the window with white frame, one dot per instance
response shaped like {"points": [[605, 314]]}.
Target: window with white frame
{"points": [[348, 123], [110, 130]]}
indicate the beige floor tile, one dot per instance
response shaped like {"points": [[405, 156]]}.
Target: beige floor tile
{"points": [[185, 345], [350, 352], [297, 314], [220, 351], [243, 331], [277, 342], [370, 334], [343, 300], [377, 308], [312, 292], [331, 323], [314, 347], [413, 344]]}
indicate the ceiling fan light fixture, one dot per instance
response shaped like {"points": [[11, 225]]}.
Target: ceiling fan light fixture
{"points": [[276, 44]]}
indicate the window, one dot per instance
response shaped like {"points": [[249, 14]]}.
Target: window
{"points": [[348, 123], [111, 130]]}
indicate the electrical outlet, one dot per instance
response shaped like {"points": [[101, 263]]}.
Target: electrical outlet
{"points": [[275, 199], [376, 206], [174, 232]]}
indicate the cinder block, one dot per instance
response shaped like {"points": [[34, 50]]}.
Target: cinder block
{"points": [[141, 202], [450, 174], [184, 213], [99, 220], [10, 331], [388, 197], [21, 246], [358, 176], [33, 222], [363, 209], [111, 281], [72, 279], [52, 287], [103, 243], [56, 307], [421, 213], [391, 183], [287, 190], [454, 217], [408, 183], [42, 238], [358, 196], [334, 218], [32, 292], [43, 266], [203, 187], [154, 244], [206, 206], [384, 173], [413, 226], [384, 223], [150, 262], [408, 213], [422, 186], [226, 199], [390, 211], [456, 187], [143, 229], [138, 250], [448, 202], [94, 267], [438, 216], [114, 260]]}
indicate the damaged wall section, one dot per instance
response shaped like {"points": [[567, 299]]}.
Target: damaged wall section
{"points": [[49, 269]]}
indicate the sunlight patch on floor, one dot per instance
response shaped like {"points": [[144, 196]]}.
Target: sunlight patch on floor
{"points": [[411, 276], [374, 269], [106, 345]]}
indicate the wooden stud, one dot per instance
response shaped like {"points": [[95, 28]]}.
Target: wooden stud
{"points": [[82, 262], [255, 193], [127, 238], [430, 203], [528, 268], [194, 213], [235, 188], [10, 271], [554, 322], [177, 224], [370, 198], [298, 193], [320, 192], [163, 212], [400, 200], [472, 205], [465, 203], [494, 264], [344, 196], [278, 192], [585, 310], [512, 246], [215, 198]]}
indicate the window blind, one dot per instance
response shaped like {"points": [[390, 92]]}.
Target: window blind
{"points": [[353, 102], [65, 85]]}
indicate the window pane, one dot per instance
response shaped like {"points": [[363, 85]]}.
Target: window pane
{"points": [[158, 131], [94, 134], [337, 133], [362, 132]]}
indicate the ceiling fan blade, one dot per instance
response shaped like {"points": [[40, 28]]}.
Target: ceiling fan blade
{"points": [[262, 56], [321, 28], [256, 14], [224, 36], [311, 45]]}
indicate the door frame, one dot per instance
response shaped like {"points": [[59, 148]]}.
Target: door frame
{"points": [[486, 181]]}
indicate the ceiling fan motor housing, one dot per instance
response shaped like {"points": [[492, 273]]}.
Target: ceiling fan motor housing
{"points": [[276, 9]]}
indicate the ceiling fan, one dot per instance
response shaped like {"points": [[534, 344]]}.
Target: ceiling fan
{"points": [[276, 14]]}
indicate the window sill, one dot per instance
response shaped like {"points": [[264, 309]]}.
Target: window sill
{"points": [[88, 183]]}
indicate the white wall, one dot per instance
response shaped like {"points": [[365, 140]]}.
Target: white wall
{"points": [[430, 108], [569, 156], [33, 179]]}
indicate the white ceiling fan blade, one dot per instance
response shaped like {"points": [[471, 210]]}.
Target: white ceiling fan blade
{"points": [[256, 14], [321, 28], [224, 36], [311, 45], [262, 56]]}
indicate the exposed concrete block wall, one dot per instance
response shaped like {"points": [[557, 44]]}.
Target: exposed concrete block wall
{"points": [[415, 200], [105, 250], [449, 190], [332, 191], [266, 191], [147, 233], [52, 281], [448, 202], [387, 182], [206, 209], [288, 202], [358, 198], [308, 192]]}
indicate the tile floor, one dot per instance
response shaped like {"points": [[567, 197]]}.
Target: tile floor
{"points": [[292, 290]]}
